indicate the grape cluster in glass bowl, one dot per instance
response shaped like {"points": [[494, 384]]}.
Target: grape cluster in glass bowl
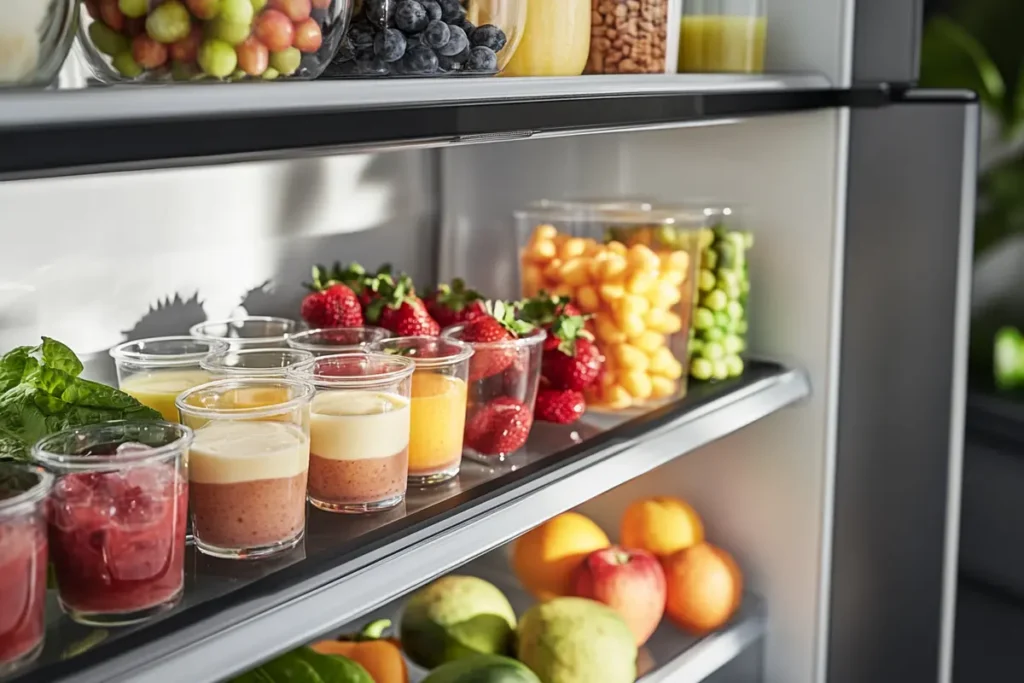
{"points": [[417, 38]]}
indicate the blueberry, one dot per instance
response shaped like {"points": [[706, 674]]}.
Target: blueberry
{"points": [[389, 45], [410, 16], [450, 9], [437, 34], [412, 40], [482, 59], [433, 9], [451, 64], [456, 44], [380, 12], [420, 60], [489, 36], [371, 66], [361, 36], [466, 25]]}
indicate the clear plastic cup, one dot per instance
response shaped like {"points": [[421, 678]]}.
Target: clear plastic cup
{"points": [[252, 332], [156, 370], [117, 518], [254, 362], [248, 465], [23, 556], [438, 404], [503, 381], [359, 446], [331, 340]]}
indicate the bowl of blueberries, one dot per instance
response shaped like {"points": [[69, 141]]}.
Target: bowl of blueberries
{"points": [[417, 38]]}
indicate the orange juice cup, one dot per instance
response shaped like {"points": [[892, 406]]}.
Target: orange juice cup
{"points": [[156, 370], [438, 404]]}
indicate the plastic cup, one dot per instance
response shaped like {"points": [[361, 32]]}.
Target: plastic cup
{"points": [[23, 557], [117, 518], [252, 332], [267, 363], [438, 405], [359, 447], [248, 465], [156, 370], [503, 381], [332, 340]]}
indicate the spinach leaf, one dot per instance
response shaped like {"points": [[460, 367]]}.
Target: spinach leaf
{"points": [[41, 393]]}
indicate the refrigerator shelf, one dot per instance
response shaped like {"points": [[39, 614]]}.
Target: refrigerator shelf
{"points": [[670, 656], [235, 614], [67, 132]]}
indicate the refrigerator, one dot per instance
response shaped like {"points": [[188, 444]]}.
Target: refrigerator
{"points": [[830, 469]]}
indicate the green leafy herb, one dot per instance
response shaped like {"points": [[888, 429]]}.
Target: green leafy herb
{"points": [[41, 393], [306, 666]]}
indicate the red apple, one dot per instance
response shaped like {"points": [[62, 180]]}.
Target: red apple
{"points": [[631, 582]]}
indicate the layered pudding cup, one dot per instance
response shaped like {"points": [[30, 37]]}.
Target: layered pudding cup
{"points": [[117, 518], [248, 465], [156, 370], [331, 340], [251, 332], [438, 404], [359, 434], [267, 363], [23, 556], [502, 388]]}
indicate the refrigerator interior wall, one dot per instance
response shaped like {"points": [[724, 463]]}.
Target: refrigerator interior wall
{"points": [[764, 490], [97, 259]]}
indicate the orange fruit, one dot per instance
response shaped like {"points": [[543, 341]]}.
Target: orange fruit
{"points": [[545, 557], [661, 525], [705, 588]]}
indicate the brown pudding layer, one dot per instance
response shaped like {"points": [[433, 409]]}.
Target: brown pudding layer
{"points": [[248, 514], [364, 480]]}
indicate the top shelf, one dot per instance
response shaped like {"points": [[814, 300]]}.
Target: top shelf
{"points": [[67, 132]]}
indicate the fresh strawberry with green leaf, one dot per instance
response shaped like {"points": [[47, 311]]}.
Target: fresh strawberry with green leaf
{"points": [[487, 332], [499, 426], [571, 359], [562, 406], [543, 309], [398, 309], [330, 303], [451, 304]]}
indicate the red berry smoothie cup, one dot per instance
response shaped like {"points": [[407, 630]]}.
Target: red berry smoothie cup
{"points": [[331, 340], [23, 493], [117, 518], [359, 432], [503, 381]]}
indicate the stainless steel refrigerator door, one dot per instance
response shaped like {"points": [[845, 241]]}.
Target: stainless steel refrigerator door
{"points": [[887, 40], [909, 238]]}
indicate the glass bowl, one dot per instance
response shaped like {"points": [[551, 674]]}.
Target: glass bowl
{"points": [[35, 37], [211, 40]]}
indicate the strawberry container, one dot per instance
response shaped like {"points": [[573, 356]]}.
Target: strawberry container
{"points": [[632, 268], [210, 40], [429, 38], [502, 389]]}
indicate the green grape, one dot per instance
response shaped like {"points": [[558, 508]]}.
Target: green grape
{"points": [[217, 58]]}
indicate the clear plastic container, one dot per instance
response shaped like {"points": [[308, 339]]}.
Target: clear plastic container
{"points": [[417, 38], [117, 518], [328, 341], [555, 40], [156, 370], [632, 268], [438, 404], [23, 556], [359, 452], [254, 362], [253, 332], [722, 36], [248, 465], [503, 381], [35, 37], [629, 37], [719, 333], [211, 40]]}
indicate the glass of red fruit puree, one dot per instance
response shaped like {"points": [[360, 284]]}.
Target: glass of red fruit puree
{"points": [[23, 491], [117, 517]]}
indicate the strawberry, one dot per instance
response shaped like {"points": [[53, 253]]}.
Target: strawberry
{"points": [[570, 360], [330, 303], [397, 308], [451, 304], [544, 309], [365, 284], [498, 324], [563, 406], [499, 427]]}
